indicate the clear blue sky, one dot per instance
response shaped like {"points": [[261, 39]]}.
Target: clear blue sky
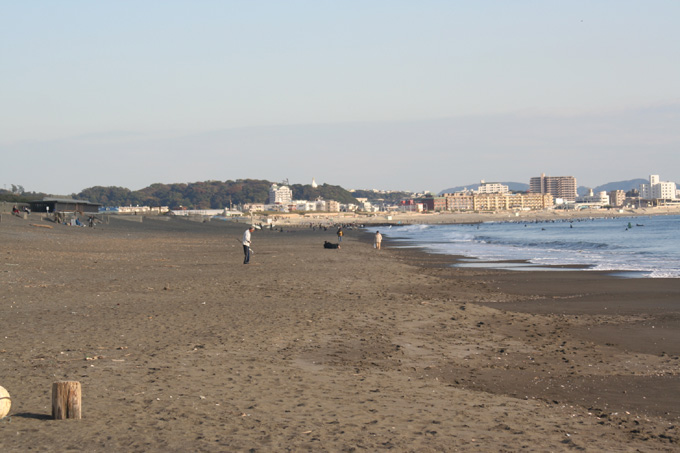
{"points": [[412, 95]]}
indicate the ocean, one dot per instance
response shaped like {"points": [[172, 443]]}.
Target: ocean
{"points": [[647, 247]]}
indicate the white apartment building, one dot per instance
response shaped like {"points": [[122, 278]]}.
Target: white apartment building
{"points": [[316, 205], [280, 194], [136, 210], [657, 189], [491, 187], [305, 205], [253, 207], [365, 205], [596, 200]]}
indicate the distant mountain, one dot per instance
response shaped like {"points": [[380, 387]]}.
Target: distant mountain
{"points": [[512, 186], [618, 185], [582, 190]]}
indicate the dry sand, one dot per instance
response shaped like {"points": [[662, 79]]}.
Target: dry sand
{"points": [[180, 347]]}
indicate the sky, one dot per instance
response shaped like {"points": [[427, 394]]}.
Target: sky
{"points": [[378, 94]]}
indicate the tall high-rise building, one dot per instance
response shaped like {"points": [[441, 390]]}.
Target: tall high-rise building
{"points": [[617, 197], [558, 186]]}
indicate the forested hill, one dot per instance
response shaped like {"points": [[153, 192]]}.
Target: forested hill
{"points": [[207, 194], [325, 191]]}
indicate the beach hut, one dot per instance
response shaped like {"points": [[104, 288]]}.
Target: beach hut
{"points": [[64, 205]]}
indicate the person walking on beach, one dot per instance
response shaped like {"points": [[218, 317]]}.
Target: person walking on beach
{"points": [[378, 240], [246, 244], [340, 233]]}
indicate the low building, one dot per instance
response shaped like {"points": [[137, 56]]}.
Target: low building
{"points": [[468, 201], [490, 202], [459, 201], [254, 207], [599, 200], [433, 204], [304, 205], [133, 210], [512, 202], [64, 205], [410, 206], [365, 205], [332, 206], [533, 201]]}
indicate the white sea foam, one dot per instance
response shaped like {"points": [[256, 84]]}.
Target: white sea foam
{"points": [[651, 251]]}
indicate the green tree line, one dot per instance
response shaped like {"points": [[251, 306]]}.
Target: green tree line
{"points": [[207, 194], [19, 195]]}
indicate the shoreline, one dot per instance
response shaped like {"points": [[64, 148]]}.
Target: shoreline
{"points": [[437, 240], [181, 347], [395, 219], [400, 218]]}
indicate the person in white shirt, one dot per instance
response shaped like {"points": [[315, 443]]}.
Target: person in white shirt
{"points": [[378, 240], [246, 244]]}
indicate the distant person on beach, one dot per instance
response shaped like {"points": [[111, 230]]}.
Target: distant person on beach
{"points": [[246, 244], [378, 240], [340, 233]]}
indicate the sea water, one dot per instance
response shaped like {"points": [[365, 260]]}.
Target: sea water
{"points": [[628, 246]]}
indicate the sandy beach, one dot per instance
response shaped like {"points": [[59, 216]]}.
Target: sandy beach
{"points": [[180, 347]]}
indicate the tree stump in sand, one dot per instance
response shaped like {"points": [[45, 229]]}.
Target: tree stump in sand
{"points": [[5, 402], [66, 400]]}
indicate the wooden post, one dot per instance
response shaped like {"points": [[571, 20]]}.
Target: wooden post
{"points": [[66, 400]]}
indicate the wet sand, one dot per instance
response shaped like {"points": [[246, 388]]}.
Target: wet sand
{"points": [[181, 347]]}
